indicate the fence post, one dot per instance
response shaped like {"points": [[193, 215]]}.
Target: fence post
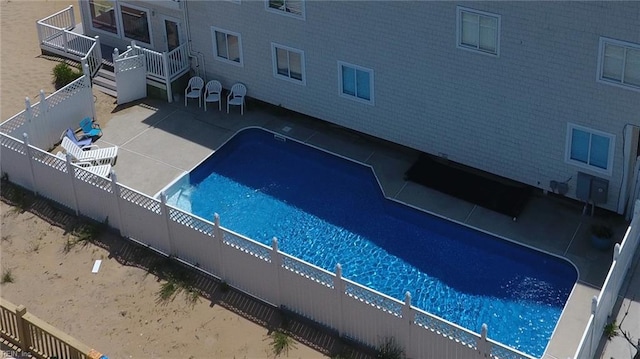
{"points": [[217, 234], [43, 119], [482, 345], [276, 259], [338, 285], [29, 115], [72, 177], [73, 16], [98, 52], [167, 219], [88, 91], [116, 192], [407, 320], [167, 76], [27, 151], [23, 329]]}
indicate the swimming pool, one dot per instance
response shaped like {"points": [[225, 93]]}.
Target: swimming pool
{"points": [[327, 210]]}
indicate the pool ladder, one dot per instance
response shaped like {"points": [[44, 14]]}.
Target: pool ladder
{"points": [[279, 138]]}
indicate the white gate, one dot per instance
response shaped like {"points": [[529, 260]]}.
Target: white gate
{"points": [[131, 78]]}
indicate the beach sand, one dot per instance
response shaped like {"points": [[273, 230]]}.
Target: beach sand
{"points": [[115, 310]]}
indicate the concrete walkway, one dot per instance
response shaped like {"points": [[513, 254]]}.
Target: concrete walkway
{"points": [[160, 141]]}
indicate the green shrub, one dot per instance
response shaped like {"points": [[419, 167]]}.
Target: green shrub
{"points": [[63, 75]]}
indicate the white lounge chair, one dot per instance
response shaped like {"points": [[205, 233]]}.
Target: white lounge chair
{"points": [[100, 170], [94, 154], [236, 96]]}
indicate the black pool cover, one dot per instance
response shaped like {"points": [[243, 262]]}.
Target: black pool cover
{"points": [[484, 189]]}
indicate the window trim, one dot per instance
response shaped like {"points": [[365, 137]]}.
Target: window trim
{"points": [[215, 46], [302, 16], [371, 83], [274, 58], [121, 23], [117, 20], [460, 45], [568, 143], [601, 79]]}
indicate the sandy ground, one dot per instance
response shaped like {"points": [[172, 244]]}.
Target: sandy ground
{"points": [[115, 310]]}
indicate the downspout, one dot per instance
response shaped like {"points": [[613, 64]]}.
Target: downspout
{"points": [[199, 57], [627, 138]]}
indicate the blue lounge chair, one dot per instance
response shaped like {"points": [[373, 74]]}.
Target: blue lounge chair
{"points": [[83, 142], [90, 128]]}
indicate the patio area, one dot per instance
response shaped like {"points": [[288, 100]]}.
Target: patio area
{"points": [[160, 141]]}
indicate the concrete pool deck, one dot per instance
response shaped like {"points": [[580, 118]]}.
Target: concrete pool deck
{"points": [[159, 141]]}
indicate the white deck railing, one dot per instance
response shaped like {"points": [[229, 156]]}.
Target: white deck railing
{"points": [[163, 67], [353, 310], [54, 36]]}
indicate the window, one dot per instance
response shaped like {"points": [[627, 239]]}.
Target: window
{"points": [[478, 31], [356, 82], [293, 8], [227, 46], [589, 148], [103, 15], [135, 24], [288, 63], [619, 63]]}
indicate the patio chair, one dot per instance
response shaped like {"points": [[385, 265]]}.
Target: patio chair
{"points": [[90, 128], [213, 93], [236, 96], [83, 142], [93, 153], [194, 90], [100, 170]]}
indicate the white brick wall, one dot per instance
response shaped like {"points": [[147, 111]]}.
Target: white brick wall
{"points": [[506, 115]]}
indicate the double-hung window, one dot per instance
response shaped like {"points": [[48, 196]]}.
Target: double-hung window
{"points": [[294, 8], [356, 82], [135, 24], [103, 15], [619, 63], [478, 31], [288, 63], [590, 148], [227, 46]]}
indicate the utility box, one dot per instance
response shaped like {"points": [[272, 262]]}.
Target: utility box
{"points": [[599, 190], [592, 189]]}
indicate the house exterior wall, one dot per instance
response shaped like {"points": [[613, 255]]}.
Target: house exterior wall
{"points": [[157, 10], [507, 115]]}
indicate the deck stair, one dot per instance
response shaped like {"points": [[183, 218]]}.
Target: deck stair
{"points": [[105, 81]]}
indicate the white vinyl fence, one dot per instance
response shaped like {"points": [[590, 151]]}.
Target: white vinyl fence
{"points": [[602, 305], [354, 311], [46, 120]]}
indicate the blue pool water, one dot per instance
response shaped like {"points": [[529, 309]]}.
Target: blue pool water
{"points": [[328, 210]]}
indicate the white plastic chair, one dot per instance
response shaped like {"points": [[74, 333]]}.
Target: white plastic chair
{"points": [[194, 90], [236, 96], [213, 93]]}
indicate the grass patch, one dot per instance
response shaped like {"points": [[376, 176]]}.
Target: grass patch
{"points": [[281, 343], [178, 280], [390, 349], [7, 276], [83, 234]]}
